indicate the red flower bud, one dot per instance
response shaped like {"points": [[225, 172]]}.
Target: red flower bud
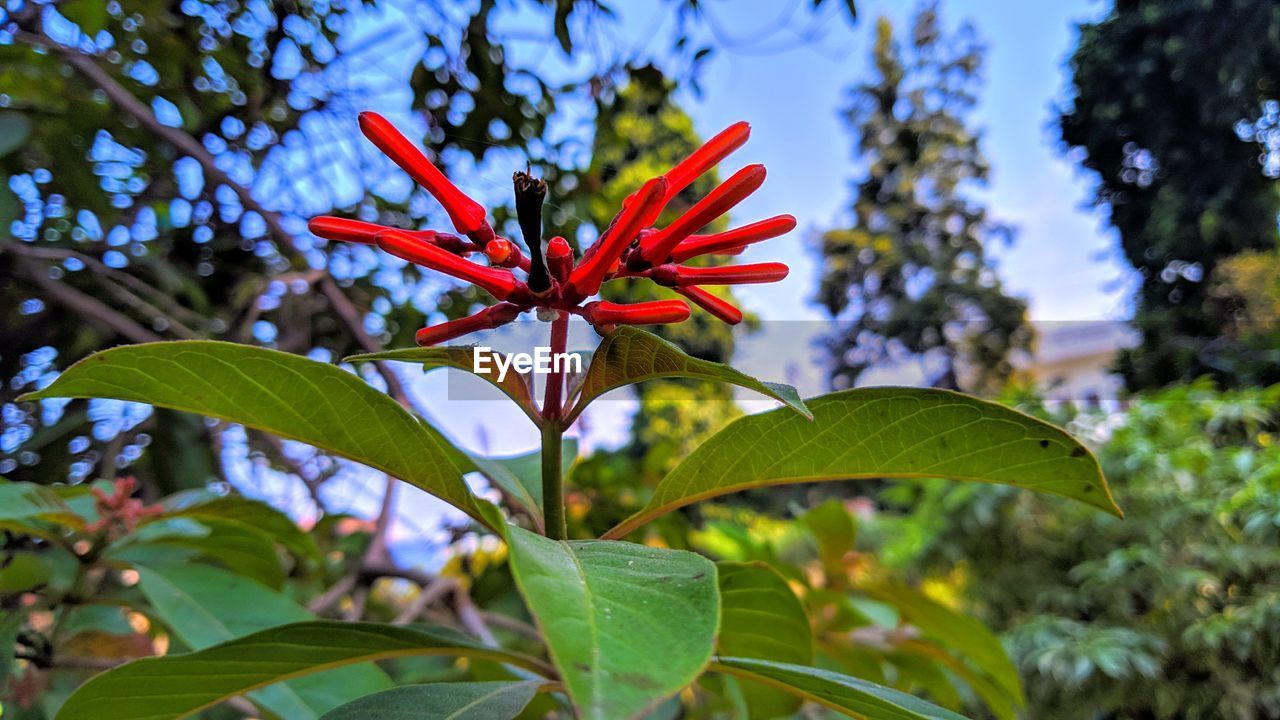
{"points": [[684, 276], [497, 282], [559, 259], [655, 312], [705, 158], [733, 241], [468, 216], [657, 247], [503, 253], [717, 306], [487, 319], [638, 212]]}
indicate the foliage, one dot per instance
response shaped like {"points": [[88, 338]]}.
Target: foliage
{"points": [[911, 276], [1171, 613], [602, 607], [1174, 110]]}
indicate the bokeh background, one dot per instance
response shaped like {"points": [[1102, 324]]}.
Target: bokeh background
{"points": [[1071, 207]]}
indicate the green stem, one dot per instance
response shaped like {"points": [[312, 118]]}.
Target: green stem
{"points": [[552, 482], [552, 431]]}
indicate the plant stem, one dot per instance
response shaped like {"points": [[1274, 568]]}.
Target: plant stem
{"points": [[552, 430]]}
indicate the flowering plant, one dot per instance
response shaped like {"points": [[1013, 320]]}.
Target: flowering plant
{"points": [[623, 629]]}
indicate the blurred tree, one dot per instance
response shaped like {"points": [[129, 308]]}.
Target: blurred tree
{"points": [[911, 277], [159, 158], [1173, 612], [1176, 108]]}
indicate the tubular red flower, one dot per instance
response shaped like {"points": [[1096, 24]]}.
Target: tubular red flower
{"points": [[717, 306], [733, 241], [363, 233], [487, 319], [467, 215], [497, 282], [655, 312], [559, 259], [705, 158], [684, 276], [638, 212], [657, 247]]}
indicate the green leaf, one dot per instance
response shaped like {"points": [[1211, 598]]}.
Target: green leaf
{"points": [[288, 395], [521, 475], [90, 15], [627, 356], [833, 529], [513, 384], [176, 686], [847, 695], [239, 547], [10, 623], [761, 618], [204, 606], [200, 506], [626, 625], [23, 502], [965, 635], [883, 432], [441, 701]]}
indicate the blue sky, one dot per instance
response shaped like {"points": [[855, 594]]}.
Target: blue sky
{"points": [[791, 91]]}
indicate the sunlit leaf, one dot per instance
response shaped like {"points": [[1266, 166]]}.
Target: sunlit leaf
{"points": [[176, 686], [627, 356], [883, 433], [954, 630], [847, 695], [291, 396], [441, 701], [626, 625]]}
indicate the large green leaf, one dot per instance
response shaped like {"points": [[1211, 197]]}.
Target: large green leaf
{"points": [[629, 355], [23, 502], [626, 625], [176, 686], [441, 701], [291, 396], [966, 635], [513, 384], [761, 618], [846, 695], [204, 606], [883, 433]]}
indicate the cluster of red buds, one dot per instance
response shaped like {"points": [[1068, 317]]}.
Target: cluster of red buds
{"points": [[554, 281], [119, 510]]}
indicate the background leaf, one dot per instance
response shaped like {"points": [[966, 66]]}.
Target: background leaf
{"points": [[847, 695], [175, 686], [21, 502], [628, 355], [441, 701], [626, 625], [204, 606], [761, 618], [883, 433], [521, 475], [291, 396]]}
